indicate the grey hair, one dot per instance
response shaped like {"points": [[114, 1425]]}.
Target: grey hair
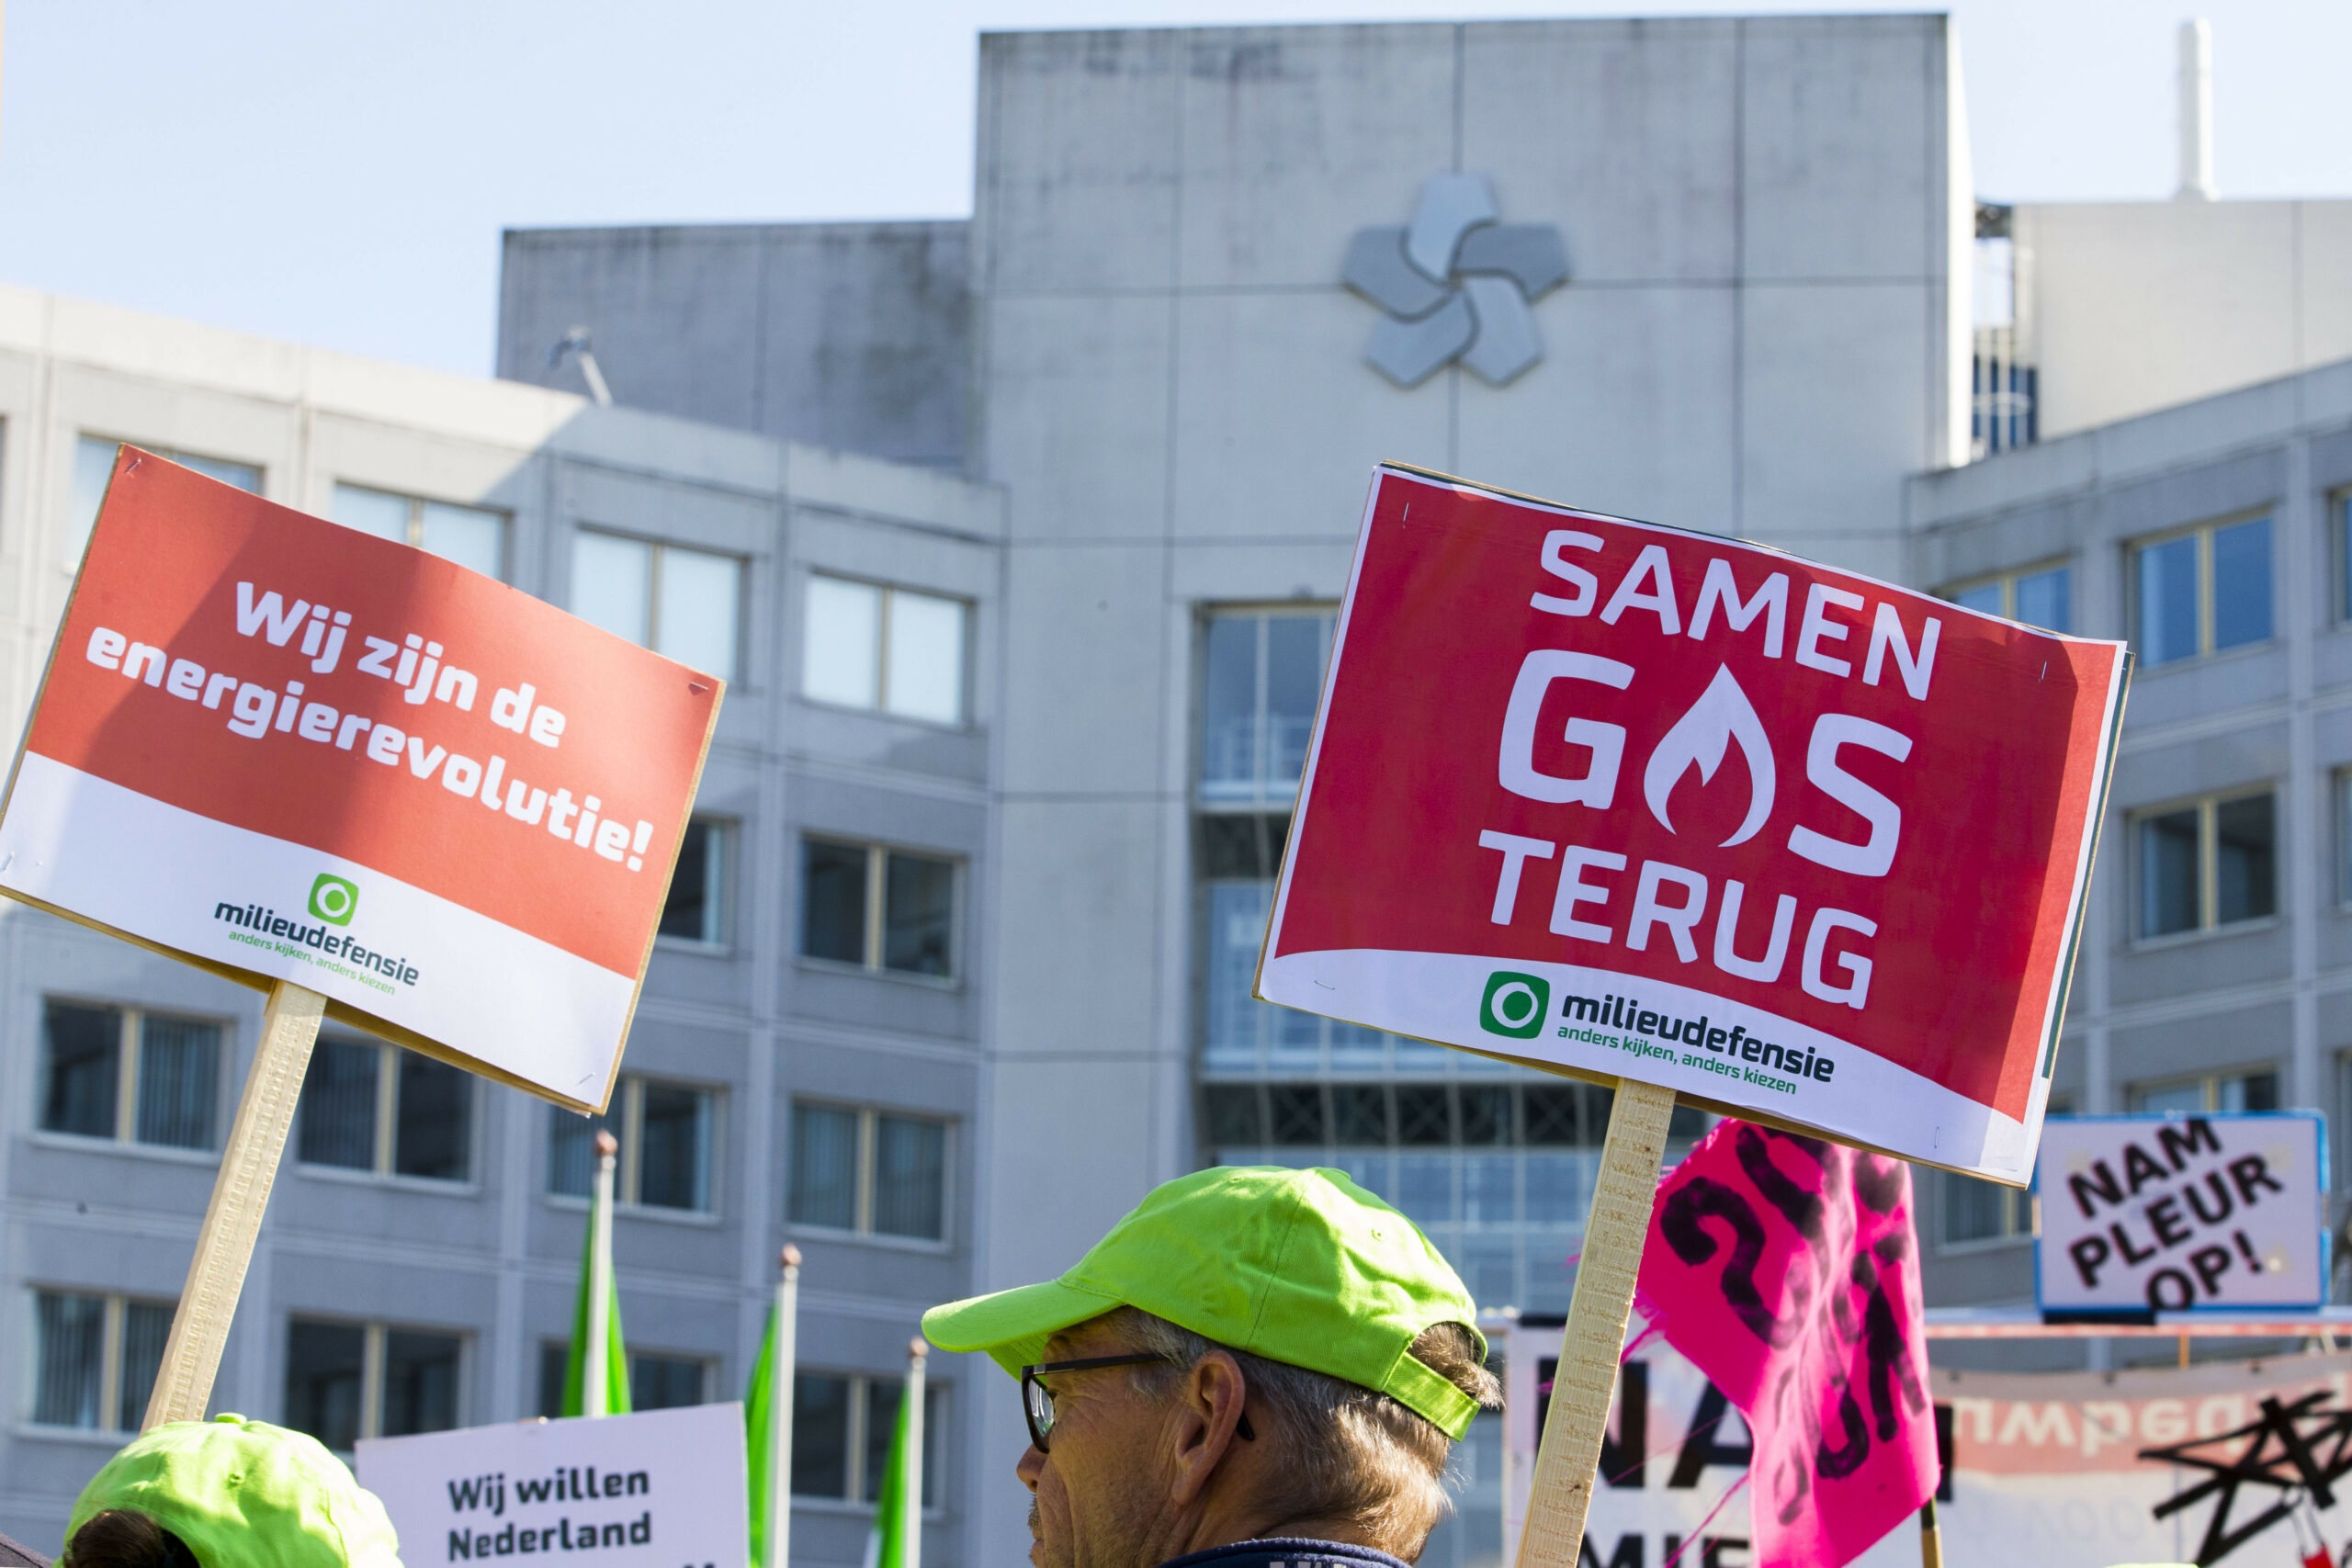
{"points": [[1350, 1454]]}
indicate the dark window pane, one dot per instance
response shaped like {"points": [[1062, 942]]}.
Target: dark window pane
{"points": [[911, 1177], [1236, 845], [420, 1382], [555, 1363], [664, 1383], [2168, 896], [2249, 1091], [1294, 646], [2244, 854], [84, 1047], [1486, 1114], [434, 1126], [882, 1429], [832, 901], [1973, 1210], [572, 1148], [1360, 1114], [1296, 1109], [179, 1067], [71, 1333], [824, 1168], [324, 1364], [2242, 584], [2045, 599], [2168, 600], [1229, 710], [1422, 1114], [918, 915], [1686, 1126], [691, 908], [339, 1105], [1234, 1119], [145, 1326], [819, 1436], [1551, 1112], [673, 1165]]}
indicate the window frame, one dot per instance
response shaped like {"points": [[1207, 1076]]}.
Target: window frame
{"points": [[384, 1168], [2020, 1217], [880, 707], [936, 1396], [115, 1315], [629, 1175], [2209, 889], [416, 505], [875, 930], [2203, 533], [2210, 1084], [1260, 612], [719, 870], [869, 1129], [372, 1362], [738, 671], [128, 1044], [2008, 579]]}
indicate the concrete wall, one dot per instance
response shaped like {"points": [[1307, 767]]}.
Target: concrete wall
{"points": [[2129, 307], [847, 335], [493, 1258]]}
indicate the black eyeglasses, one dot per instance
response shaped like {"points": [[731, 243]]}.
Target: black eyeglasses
{"points": [[1038, 1400]]}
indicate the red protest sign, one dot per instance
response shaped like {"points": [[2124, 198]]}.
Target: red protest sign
{"points": [[1785, 1269], [292, 752], [1640, 802]]}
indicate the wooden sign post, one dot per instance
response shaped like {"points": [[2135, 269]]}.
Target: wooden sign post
{"points": [[1703, 820], [382, 788]]}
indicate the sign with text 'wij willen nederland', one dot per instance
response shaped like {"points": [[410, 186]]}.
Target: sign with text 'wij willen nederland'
{"points": [[290, 750], [1648, 803]]}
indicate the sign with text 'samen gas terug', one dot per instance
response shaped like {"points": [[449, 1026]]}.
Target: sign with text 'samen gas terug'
{"points": [[286, 749], [1645, 803]]}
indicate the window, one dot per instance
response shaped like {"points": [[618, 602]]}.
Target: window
{"points": [[1262, 677], [1983, 1211], [842, 1428], [2206, 863], [371, 1106], [666, 1131], [2203, 591], [2042, 596], [869, 1172], [697, 905], [94, 467], [864, 646], [96, 1358], [908, 930], [2254, 1090], [135, 1076], [682, 603], [349, 1381], [655, 1381], [473, 536]]}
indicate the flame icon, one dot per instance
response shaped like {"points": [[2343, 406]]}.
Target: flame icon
{"points": [[1722, 714]]}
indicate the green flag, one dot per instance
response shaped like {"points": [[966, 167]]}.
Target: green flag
{"points": [[575, 1367], [885, 1544], [756, 1439]]}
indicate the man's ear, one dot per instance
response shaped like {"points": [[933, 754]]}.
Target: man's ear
{"points": [[1206, 1407]]}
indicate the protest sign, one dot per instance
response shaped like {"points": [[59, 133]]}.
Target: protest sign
{"points": [[649, 1491], [2174, 1214], [288, 750], [1785, 1269], [1519, 832], [2045, 1469]]}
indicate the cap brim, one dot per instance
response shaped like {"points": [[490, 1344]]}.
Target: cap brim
{"points": [[1013, 1326]]}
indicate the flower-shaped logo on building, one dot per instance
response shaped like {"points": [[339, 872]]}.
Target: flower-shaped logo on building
{"points": [[1457, 284]]}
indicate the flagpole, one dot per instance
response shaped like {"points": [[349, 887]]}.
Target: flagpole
{"points": [[594, 1396], [783, 1354], [911, 1484]]}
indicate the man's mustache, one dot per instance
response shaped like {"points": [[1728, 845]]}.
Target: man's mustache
{"points": [[1034, 1531]]}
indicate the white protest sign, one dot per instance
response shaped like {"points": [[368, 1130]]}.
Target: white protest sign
{"points": [[657, 1490], [2173, 1213]]}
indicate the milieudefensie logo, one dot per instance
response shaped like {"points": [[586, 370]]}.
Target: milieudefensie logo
{"points": [[334, 899], [1456, 284], [1515, 1005]]}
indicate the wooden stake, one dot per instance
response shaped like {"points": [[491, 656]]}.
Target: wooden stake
{"points": [[1567, 1459], [231, 1222], [1931, 1537]]}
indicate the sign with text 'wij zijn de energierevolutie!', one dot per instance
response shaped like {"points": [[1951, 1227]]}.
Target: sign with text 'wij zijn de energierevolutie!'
{"points": [[1648, 803], [289, 750]]}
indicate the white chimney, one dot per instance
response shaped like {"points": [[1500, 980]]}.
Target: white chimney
{"points": [[2196, 111]]}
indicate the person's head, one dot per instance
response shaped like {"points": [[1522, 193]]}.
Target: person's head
{"points": [[227, 1494], [1288, 1357]]}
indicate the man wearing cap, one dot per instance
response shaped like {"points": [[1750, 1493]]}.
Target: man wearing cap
{"points": [[1255, 1367]]}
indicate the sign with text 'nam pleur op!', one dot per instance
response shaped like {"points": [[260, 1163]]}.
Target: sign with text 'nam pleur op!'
{"points": [[288, 750], [1637, 802]]}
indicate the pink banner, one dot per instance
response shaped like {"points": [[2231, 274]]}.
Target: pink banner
{"points": [[1784, 1267]]}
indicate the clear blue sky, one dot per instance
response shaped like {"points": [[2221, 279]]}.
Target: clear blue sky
{"points": [[337, 170]]}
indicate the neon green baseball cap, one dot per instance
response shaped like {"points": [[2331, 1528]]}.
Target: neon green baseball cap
{"points": [[1297, 1266], [245, 1494]]}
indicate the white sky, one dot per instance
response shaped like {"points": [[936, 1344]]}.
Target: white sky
{"points": [[338, 170]]}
